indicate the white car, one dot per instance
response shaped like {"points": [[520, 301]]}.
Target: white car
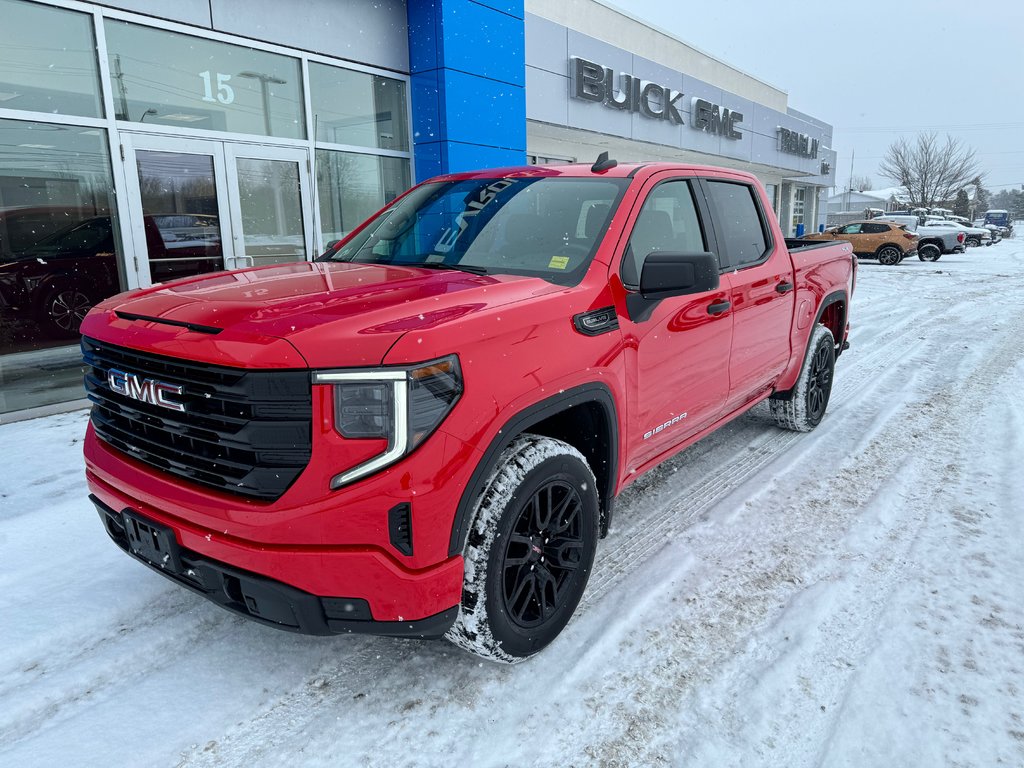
{"points": [[974, 235]]}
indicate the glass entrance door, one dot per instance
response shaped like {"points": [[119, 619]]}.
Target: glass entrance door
{"points": [[200, 206], [271, 220]]}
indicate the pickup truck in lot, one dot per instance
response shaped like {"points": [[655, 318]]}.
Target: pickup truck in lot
{"points": [[934, 240], [423, 432]]}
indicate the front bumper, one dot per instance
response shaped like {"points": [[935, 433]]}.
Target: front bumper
{"points": [[301, 549], [256, 597]]}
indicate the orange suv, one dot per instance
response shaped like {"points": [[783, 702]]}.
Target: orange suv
{"points": [[887, 242]]}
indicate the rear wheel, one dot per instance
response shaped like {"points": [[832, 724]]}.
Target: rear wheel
{"points": [[529, 550], [929, 252], [889, 255], [802, 408]]}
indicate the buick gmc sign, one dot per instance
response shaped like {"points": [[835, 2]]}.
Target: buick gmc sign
{"points": [[591, 81]]}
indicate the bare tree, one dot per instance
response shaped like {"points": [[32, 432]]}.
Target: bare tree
{"points": [[930, 171], [861, 183]]}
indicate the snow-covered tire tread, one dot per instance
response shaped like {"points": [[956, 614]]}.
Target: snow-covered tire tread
{"points": [[790, 412], [472, 628]]}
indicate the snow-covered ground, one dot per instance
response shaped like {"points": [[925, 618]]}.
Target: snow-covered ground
{"points": [[850, 597]]}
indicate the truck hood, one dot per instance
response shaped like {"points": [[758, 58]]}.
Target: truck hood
{"points": [[334, 314]]}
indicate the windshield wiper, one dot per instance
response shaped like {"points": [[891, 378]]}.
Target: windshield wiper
{"points": [[471, 268]]}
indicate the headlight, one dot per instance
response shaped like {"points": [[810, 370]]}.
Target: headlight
{"points": [[400, 405]]}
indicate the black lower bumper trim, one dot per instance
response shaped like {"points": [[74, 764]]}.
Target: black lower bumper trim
{"points": [[262, 599]]}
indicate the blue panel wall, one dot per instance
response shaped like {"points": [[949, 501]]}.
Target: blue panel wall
{"points": [[468, 70]]}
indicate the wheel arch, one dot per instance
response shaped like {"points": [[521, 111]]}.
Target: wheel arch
{"points": [[832, 313], [879, 249], [585, 410]]}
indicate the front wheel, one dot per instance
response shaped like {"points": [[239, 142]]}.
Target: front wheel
{"points": [[802, 408], [529, 550], [889, 255], [973, 242]]}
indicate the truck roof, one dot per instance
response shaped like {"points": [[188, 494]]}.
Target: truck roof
{"points": [[584, 170]]}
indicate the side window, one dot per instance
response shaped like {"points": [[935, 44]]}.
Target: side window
{"points": [[875, 229], [667, 222], [850, 229], [741, 231]]}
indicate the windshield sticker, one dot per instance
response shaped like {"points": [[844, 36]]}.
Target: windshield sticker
{"points": [[473, 207], [558, 262]]}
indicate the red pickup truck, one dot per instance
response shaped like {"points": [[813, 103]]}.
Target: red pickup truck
{"points": [[423, 432]]}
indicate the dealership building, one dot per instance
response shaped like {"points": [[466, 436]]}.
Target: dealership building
{"points": [[142, 141]]}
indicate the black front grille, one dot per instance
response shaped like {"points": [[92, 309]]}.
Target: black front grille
{"points": [[243, 432]]}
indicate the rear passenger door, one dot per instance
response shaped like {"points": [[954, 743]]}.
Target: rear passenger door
{"points": [[875, 235], [761, 288], [680, 345]]}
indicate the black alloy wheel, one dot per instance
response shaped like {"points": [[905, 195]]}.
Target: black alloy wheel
{"points": [[819, 385], [543, 553], [529, 550]]}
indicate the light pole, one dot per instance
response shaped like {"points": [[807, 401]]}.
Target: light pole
{"points": [[264, 79]]}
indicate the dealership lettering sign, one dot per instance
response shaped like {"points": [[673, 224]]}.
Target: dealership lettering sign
{"points": [[797, 143], [593, 82]]}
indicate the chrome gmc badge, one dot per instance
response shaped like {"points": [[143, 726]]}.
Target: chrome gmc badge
{"points": [[144, 390]]}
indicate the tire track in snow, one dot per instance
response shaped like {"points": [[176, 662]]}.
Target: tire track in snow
{"points": [[816, 515], [647, 532]]}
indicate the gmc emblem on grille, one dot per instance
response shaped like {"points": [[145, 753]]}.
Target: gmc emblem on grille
{"points": [[145, 390]]}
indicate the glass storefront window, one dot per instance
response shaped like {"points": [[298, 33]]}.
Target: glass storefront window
{"points": [[353, 187], [798, 207], [173, 79], [48, 60], [358, 108], [57, 255]]}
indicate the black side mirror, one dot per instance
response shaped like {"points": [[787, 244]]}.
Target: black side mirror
{"points": [[667, 273]]}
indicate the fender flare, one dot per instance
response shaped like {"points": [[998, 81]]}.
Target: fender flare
{"points": [[835, 297], [593, 392]]}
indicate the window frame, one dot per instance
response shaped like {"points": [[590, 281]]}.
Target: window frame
{"points": [[703, 217], [725, 259]]}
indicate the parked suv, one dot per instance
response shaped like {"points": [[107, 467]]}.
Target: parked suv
{"points": [[889, 243]]}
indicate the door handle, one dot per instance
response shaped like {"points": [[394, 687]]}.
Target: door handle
{"points": [[784, 287], [718, 307]]}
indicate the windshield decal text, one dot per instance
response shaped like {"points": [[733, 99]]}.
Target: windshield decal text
{"points": [[473, 207]]}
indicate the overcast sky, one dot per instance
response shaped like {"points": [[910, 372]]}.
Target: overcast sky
{"points": [[876, 70]]}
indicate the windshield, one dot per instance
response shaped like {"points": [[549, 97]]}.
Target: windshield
{"points": [[83, 236], [542, 227]]}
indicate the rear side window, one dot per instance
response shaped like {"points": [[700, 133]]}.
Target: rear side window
{"points": [[741, 230], [667, 222], [875, 229]]}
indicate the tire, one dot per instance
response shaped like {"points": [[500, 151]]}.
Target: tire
{"points": [[62, 309], [508, 611], [929, 252], [973, 242], [803, 407], [889, 255]]}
